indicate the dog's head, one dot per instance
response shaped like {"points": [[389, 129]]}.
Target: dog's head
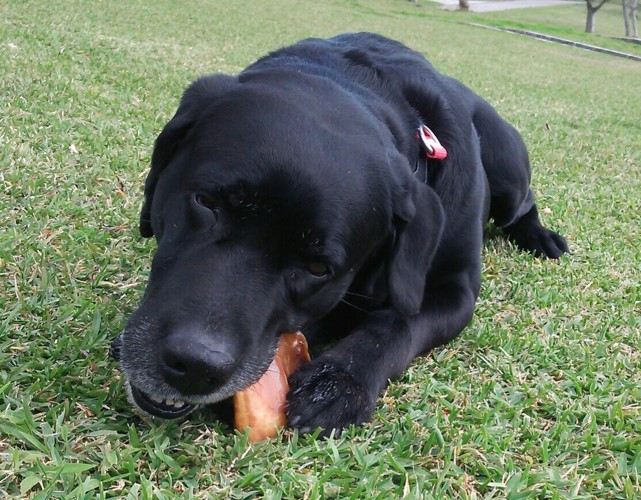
{"points": [[266, 202]]}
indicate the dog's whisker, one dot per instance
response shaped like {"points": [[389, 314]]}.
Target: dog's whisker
{"points": [[360, 296], [354, 306]]}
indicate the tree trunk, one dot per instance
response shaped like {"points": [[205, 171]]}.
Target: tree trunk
{"points": [[590, 20], [630, 18], [463, 4]]}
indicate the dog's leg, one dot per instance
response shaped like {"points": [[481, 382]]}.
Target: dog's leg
{"points": [[507, 167], [341, 386]]}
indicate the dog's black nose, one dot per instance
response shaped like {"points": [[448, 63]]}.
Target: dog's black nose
{"points": [[194, 364]]}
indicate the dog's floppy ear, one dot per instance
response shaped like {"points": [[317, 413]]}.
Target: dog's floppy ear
{"points": [[166, 144], [199, 95], [419, 220]]}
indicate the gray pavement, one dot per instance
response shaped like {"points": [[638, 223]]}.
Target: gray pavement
{"points": [[491, 6]]}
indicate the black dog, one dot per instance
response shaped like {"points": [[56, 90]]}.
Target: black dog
{"points": [[306, 193]]}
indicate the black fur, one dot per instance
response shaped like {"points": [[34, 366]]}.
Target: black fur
{"points": [[296, 196]]}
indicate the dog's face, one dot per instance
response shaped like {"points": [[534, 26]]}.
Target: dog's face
{"points": [[265, 203]]}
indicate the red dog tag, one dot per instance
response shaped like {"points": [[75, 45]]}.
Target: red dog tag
{"points": [[431, 145]]}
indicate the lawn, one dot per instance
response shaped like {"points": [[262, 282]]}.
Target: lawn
{"points": [[539, 397]]}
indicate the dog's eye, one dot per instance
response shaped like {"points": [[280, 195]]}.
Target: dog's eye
{"points": [[206, 201], [318, 269]]}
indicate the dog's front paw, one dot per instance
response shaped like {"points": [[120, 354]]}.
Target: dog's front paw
{"points": [[327, 396]]}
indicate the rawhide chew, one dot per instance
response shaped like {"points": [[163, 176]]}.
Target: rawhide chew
{"points": [[261, 407]]}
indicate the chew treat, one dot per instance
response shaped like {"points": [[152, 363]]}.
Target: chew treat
{"points": [[261, 406]]}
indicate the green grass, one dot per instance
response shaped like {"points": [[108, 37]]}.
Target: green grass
{"points": [[539, 397]]}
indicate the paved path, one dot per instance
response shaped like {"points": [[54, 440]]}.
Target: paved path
{"points": [[563, 41], [490, 6]]}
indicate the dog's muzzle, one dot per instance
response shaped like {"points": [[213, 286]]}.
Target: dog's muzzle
{"points": [[148, 404]]}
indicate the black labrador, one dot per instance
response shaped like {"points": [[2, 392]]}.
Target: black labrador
{"points": [[339, 187]]}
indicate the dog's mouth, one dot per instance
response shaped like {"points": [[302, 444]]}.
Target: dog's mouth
{"points": [[151, 405], [158, 407]]}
